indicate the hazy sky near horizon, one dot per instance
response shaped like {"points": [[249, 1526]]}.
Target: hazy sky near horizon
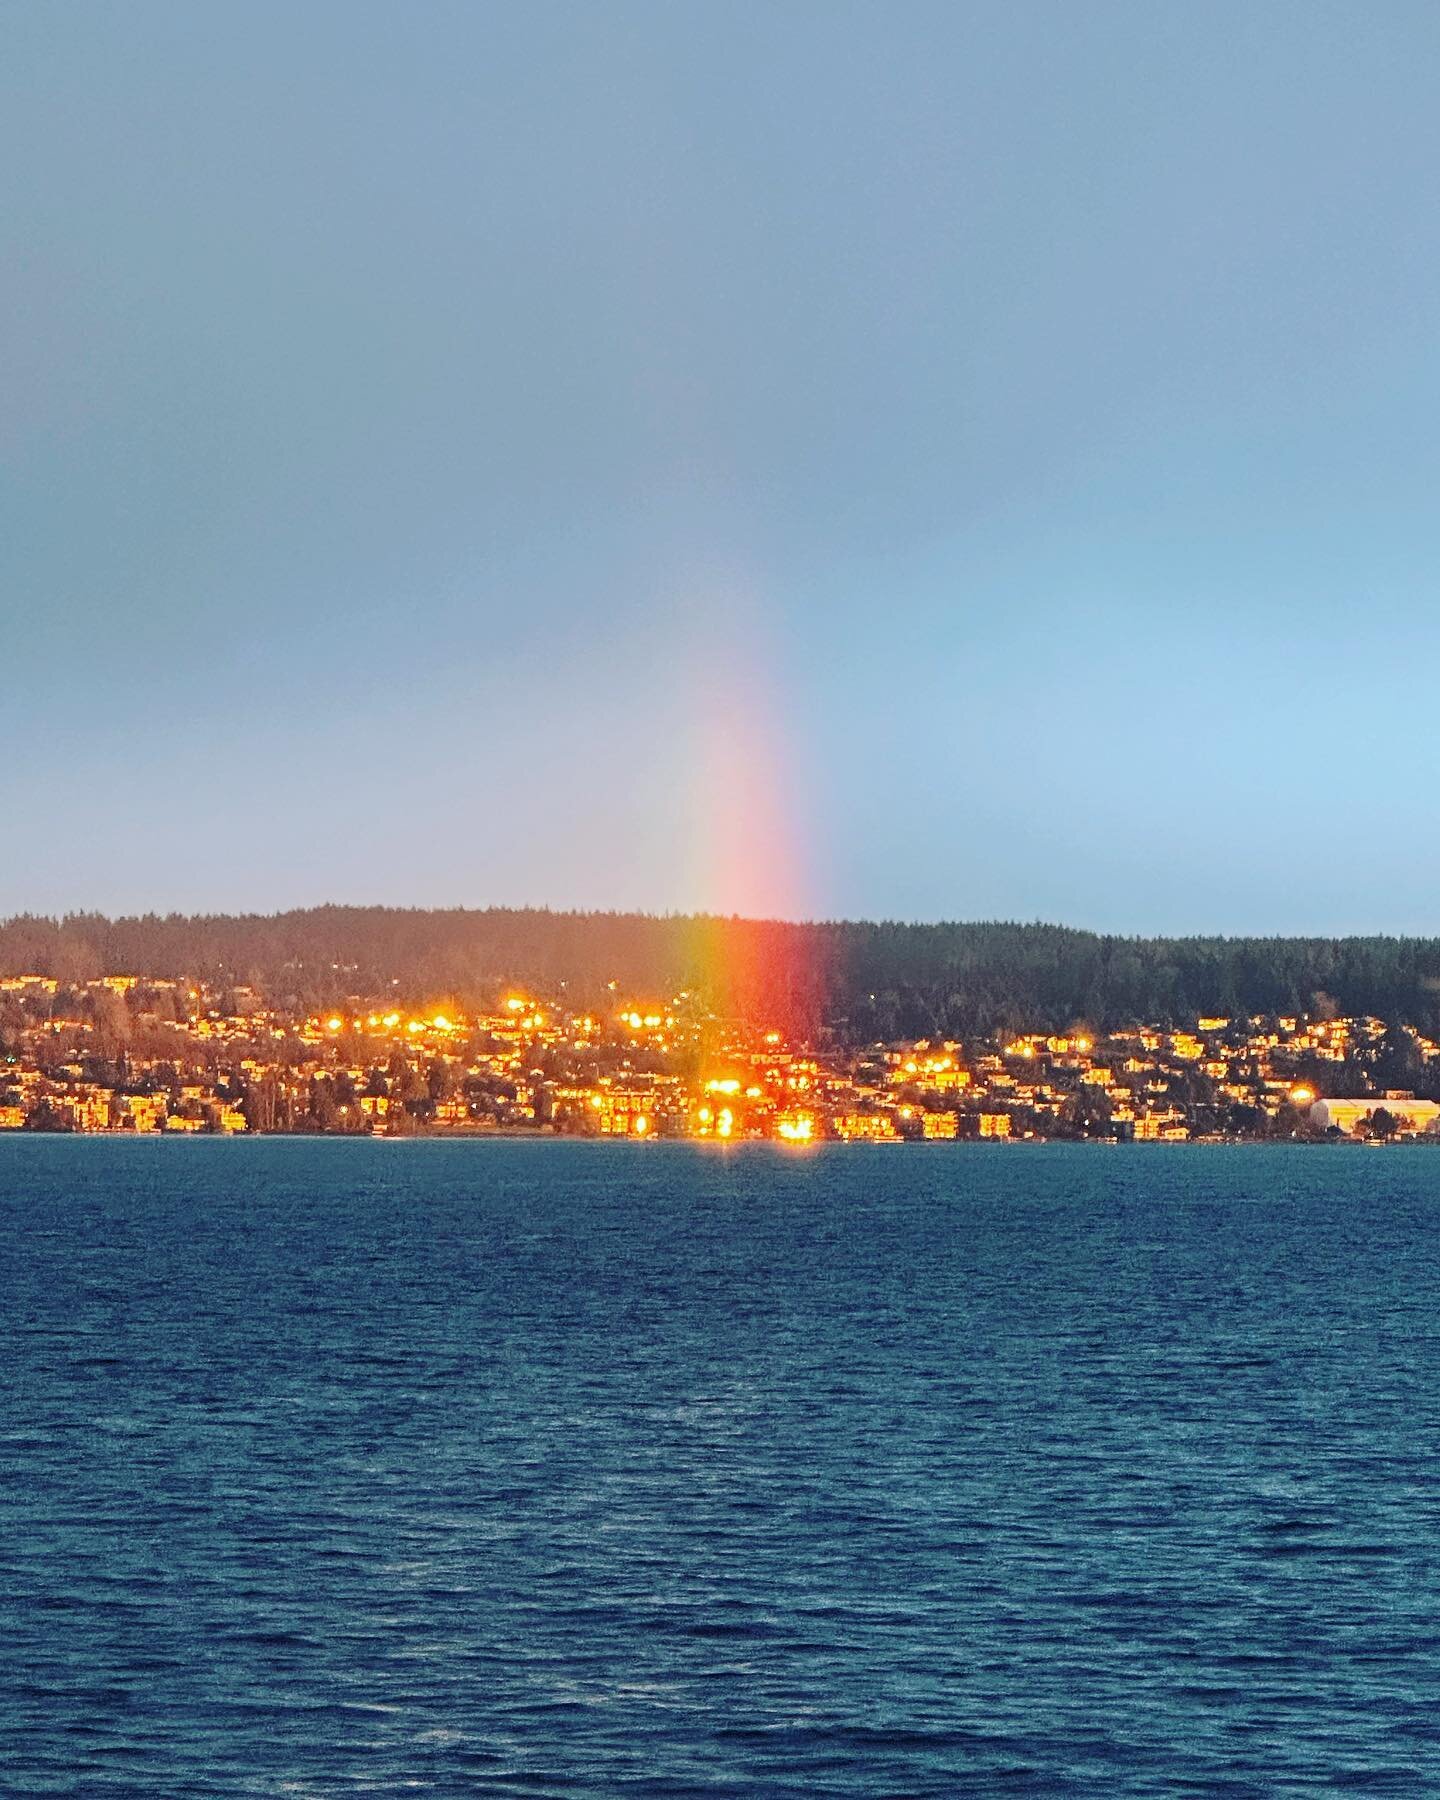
{"points": [[920, 460]]}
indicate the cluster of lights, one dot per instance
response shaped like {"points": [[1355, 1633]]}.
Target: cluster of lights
{"points": [[1061, 1046], [390, 1022]]}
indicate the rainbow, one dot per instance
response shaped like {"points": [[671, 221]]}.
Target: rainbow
{"points": [[751, 848]]}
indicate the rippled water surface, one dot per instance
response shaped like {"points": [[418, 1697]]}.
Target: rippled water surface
{"points": [[579, 1469]]}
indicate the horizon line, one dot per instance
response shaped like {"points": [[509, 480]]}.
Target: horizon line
{"points": [[80, 916]]}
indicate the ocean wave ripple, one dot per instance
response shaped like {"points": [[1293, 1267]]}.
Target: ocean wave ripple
{"points": [[568, 1470]]}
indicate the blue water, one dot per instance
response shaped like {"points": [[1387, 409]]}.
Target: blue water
{"points": [[578, 1469]]}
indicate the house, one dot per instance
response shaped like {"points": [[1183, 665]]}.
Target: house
{"points": [[1344, 1115]]}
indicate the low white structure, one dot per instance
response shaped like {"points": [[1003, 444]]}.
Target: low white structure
{"points": [[1345, 1115]]}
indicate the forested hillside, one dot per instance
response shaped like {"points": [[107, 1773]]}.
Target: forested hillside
{"points": [[862, 980]]}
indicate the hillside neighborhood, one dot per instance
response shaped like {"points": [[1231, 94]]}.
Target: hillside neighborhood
{"points": [[142, 1055]]}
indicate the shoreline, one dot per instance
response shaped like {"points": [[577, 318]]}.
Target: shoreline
{"points": [[718, 1146]]}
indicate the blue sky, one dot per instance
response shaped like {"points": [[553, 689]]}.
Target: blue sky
{"points": [[461, 454]]}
